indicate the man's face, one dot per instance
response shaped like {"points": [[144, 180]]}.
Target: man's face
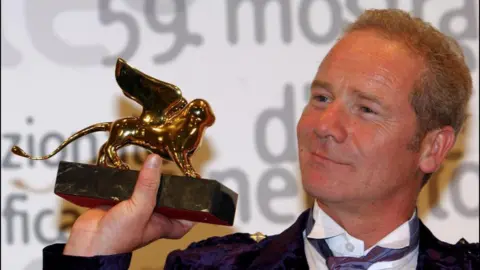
{"points": [[355, 133]]}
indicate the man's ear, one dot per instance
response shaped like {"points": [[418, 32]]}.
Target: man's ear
{"points": [[435, 147]]}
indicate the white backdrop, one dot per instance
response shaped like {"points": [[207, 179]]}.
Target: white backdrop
{"points": [[250, 59]]}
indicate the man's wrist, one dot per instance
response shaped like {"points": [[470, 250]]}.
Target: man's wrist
{"points": [[54, 258]]}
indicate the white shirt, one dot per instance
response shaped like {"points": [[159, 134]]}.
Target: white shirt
{"points": [[343, 244]]}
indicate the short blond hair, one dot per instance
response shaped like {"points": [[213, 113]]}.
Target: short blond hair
{"points": [[442, 92]]}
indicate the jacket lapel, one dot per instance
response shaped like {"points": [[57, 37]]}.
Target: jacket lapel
{"points": [[286, 250]]}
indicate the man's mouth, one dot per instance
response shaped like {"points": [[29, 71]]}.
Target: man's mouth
{"points": [[320, 157]]}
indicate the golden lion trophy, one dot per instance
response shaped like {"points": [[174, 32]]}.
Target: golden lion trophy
{"points": [[168, 126]]}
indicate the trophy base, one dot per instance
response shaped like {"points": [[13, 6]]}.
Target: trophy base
{"points": [[178, 197]]}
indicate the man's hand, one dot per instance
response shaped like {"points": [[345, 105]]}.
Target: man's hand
{"points": [[130, 224]]}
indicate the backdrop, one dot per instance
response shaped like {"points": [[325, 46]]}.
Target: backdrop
{"points": [[250, 59]]}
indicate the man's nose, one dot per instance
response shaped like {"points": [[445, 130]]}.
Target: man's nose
{"points": [[332, 123]]}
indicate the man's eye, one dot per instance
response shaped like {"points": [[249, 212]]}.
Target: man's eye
{"points": [[367, 110], [321, 98]]}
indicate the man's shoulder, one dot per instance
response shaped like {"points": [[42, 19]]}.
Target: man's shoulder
{"points": [[237, 249], [435, 252], [229, 242], [244, 251], [462, 247], [470, 251], [466, 254]]}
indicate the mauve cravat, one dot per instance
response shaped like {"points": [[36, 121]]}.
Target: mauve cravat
{"points": [[377, 254]]}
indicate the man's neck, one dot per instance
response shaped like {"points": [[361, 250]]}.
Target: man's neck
{"points": [[370, 222]]}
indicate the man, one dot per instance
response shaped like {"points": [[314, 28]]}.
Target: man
{"points": [[386, 106]]}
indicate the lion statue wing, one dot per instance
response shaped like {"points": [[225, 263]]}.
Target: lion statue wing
{"points": [[158, 98]]}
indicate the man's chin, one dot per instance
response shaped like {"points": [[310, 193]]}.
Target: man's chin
{"points": [[324, 191]]}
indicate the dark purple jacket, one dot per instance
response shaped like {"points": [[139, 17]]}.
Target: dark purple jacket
{"points": [[282, 251]]}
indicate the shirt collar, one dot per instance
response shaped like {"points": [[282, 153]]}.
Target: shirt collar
{"points": [[325, 227]]}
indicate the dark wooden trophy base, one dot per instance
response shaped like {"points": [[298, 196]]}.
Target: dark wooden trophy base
{"points": [[179, 197]]}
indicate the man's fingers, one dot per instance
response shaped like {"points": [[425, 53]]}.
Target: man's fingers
{"points": [[146, 188], [160, 226], [104, 208]]}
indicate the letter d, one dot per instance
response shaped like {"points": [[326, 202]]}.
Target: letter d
{"points": [[286, 116]]}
